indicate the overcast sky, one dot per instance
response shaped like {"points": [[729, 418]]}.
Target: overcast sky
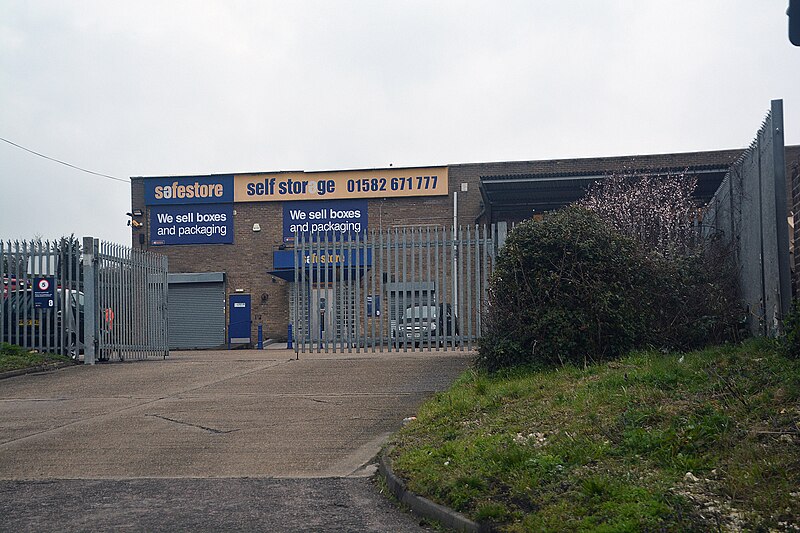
{"points": [[142, 88]]}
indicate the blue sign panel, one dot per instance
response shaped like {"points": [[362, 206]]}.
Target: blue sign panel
{"points": [[44, 293], [195, 224], [188, 190], [324, 219], [284, 259]]}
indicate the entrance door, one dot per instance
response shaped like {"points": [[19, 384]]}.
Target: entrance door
{"points": [[322, 310], [240, 322]]}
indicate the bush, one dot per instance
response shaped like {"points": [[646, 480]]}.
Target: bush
{"points": [[566, 289], [571, 289], [693, 297], [693, 300]]}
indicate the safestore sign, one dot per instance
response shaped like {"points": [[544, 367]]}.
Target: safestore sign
{"points": [[190, 210], [192, 224], [324, 205], [189, 190], [322, 221], [341, 185]]}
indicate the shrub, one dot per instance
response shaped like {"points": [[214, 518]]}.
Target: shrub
{"points": [[693, 299], [567, 288], [693, 294], [571, 289]]}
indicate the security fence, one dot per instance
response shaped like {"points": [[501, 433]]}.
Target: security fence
{"points": [[97, 300], [43, 299], [408, 288], [749, 213]]}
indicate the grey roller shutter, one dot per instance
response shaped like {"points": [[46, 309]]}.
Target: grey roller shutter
{"points": [[196, 315]]}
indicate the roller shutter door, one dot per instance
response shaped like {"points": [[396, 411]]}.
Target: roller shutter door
{"points": [[196, 315]]}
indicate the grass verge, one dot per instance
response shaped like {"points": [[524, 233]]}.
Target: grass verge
{"points": [[708, 440], [15, 358]]}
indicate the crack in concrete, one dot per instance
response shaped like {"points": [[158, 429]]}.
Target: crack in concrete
{"points": [[324, 401], [205, 428]]}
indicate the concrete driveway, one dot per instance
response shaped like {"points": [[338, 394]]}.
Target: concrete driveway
{"points": [[230, 429]]}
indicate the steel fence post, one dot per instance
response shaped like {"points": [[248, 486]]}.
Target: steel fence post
{"points": [[89, 311]]}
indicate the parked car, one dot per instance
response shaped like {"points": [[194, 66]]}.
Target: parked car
{"points": [[427, 323]]}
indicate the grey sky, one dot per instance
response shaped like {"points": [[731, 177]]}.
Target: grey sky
{"points": [[162, 87]]}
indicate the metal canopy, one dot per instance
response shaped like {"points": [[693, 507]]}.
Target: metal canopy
{"points": [[516, 197]]}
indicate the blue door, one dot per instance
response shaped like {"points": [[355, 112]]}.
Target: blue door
{"points": [[239, 319]]}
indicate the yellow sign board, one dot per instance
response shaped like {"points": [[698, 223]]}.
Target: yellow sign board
{"points": [[340, 184]]}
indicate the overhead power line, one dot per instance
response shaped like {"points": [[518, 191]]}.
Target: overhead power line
{"points": [[64, 162]]}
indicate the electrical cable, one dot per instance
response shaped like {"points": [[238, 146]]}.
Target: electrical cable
{"points": [[64, 162]]}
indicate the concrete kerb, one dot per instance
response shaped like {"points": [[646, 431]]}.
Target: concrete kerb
{"points": [[47, 367], [423, 507]]}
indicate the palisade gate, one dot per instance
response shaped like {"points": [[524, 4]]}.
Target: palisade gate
{"points": [[408, 288], [92, 301]]}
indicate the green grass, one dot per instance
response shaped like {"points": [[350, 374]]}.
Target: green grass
{"points": [[608, 448], [14, 358]]}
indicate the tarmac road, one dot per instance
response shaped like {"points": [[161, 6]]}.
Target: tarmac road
{"points": [[210, 441]]}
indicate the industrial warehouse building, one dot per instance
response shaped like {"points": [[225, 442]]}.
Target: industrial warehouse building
{"points": [[231, 239]]}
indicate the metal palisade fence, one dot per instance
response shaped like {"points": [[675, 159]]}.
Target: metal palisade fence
{"points": [[96, 300], [405, 288], [749, 214], [43, 298]]}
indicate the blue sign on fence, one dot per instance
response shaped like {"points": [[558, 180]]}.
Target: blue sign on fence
{"points": [[44, 293], [333, 220], [191, 224]]}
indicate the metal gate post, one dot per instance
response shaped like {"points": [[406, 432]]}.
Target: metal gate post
{"points": [[90, 300]]}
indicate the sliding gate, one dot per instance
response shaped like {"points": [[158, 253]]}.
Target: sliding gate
{"points": [[408, 288]]}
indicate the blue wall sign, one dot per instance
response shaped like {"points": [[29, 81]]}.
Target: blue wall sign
{"points": [[316, 219], [188, 190], [196, 224]]}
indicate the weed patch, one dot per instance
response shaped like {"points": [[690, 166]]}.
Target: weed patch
{"points": [[15, 358]]}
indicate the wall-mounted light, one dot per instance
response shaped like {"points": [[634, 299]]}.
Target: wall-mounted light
{"points": [[256, 227], [138, 212]]}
